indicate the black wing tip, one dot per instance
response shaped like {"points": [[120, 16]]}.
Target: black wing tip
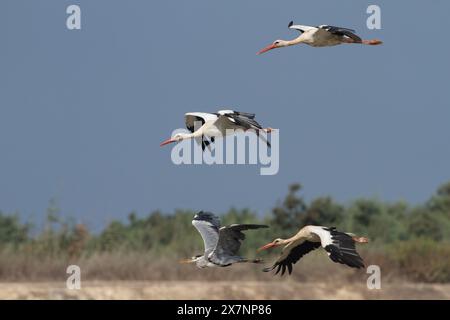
{"points": [[279, 267], [252, 226], [289, 268], [256, 226], [290, 24], [283, 269], [355, 263], [245, 114], [260, 226], [339, 257]]}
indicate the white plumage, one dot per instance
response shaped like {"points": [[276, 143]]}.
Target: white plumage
{"points": [[339, 246], [209, 126], [320, 36]]}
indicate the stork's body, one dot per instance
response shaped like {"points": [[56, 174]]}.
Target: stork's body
{"points": [[209, 126], [221, 243], [320, 36], [339, 246]]}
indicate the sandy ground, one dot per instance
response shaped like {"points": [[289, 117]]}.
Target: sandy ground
{"points": [[220, 290]]}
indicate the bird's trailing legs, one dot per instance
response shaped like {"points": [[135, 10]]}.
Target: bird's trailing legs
{"points": [[360, 239], [251, 261], [267, 130], [371, 42]]}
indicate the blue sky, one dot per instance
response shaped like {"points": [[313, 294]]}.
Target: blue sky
{"points": [[82, 113]]}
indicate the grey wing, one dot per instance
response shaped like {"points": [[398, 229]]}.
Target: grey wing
{"points": [[230, 238], [207, 224], [341, 32]]}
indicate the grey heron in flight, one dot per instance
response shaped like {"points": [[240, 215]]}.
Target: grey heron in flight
{"points": [[221, 243]]}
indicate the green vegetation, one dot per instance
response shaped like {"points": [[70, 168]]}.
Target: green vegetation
{"points": [[414, 241]]}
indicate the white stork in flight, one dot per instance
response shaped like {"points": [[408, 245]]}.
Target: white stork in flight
{"points": [[217, 124], [321, 36], [221, 243], [340, 247]]}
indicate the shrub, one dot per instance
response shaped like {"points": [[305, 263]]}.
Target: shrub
{"points": [[422, 259]]}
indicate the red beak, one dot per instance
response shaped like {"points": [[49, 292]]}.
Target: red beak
{"points": [[269, 47], [167, 142], [267, 246]]}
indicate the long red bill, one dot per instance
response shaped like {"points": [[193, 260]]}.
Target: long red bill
{"points": [[267, 246], [167, 142], [269, 47]]}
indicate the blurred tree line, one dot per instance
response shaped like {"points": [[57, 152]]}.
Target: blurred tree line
{"points": [[409, 236]]}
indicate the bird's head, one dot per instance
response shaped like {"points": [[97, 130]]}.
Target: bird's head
{"points": [[176, 138], [275, 243], [206, 216], [274, 45]]}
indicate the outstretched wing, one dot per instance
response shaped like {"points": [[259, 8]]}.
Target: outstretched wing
{"points": [[300, 28], [339, 246], [291, 254], [208, 226], [194, 120], [242, 119], [230, 238], [339, 31]]}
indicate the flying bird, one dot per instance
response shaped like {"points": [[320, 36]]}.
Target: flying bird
{"points": [[321, 36], [221, 243], [339, 246], [218, 124]]}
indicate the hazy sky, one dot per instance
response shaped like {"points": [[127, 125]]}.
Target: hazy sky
{"points": [[82, 113]]}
